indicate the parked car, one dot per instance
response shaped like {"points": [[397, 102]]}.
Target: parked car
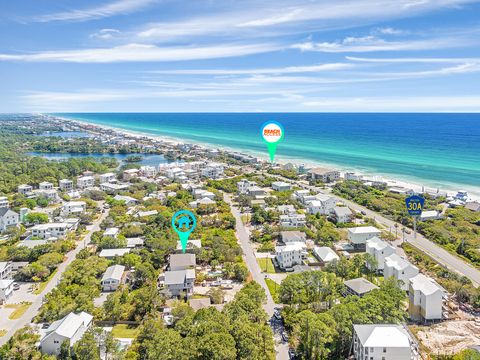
{"points": [[277, 315], [291, 354], [45, 325], [284, 336], [16, 286], [363, 212]]}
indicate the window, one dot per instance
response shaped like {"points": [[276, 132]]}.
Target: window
{"points": [[384, 350]]}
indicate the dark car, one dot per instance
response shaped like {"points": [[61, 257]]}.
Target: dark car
{"points": [[284, 336], [45, 325], [16, 286], [291, 354], [363, 212]]}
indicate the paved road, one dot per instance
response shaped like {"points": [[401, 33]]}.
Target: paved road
{"points": [[249, 256], [440, 255], [32, 311]]}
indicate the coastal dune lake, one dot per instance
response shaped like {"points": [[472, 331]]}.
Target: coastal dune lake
{"points": [[437, 150]]}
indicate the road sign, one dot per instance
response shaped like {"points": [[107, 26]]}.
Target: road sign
{"points": [[414, 205]]}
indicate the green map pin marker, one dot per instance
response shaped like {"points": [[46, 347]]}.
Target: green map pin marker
{"points": [[272, 133], [184, 222]]}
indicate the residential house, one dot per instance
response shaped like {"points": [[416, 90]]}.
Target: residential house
{"points": [[5, 270], [359, 235], [425, 298], [182, 261], [113, 277], [113, 188], [8, 219], [201, 303], [179, 282], [70, 329], [244, 184], [202, 202], [286, 209], [4, 203], [300, 195], [358, 287], [112, 232], [293, 220], [379, 249], [260, 203], [320, 204], [45, 185], [293, 236], [74, 208], [290, 255], [137, 242], [128, 200], [350, 176], [255, 191], [112, 253], [148, 171], [202, 193], [473, 206], [342, 214], [25, 189], [400, 269], [383, 342], [281, 186], [325, 255], [431, 215], [324, 175], [65, 185], [6, 290], [129, 174], [191, 245], [85, 182], [55, 230], [213, 171], [107, 177]]}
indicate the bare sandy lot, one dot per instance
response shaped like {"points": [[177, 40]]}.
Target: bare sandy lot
{"points": [[448, 337]]}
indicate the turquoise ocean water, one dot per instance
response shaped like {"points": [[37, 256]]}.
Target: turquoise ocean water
{"points": [[436, 150]]}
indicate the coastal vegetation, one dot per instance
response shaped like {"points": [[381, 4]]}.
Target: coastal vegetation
{"points": [[458, 231]]}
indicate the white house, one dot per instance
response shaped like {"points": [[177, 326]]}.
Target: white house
{"points": [[213, 171], [112, 278], [71, 329], [8, 219], [255, 191], [281, 186], [286, 209], [293, 236], [65, 185], [359, 235], [6, 290], [300, 195], [45, 185], [431, 215], [111, 232], [111, 253], [382, 342], [113, 188], [85, 182], [400, 269], [5, 270], [130, 174], [25, 189], [293, 220], [342, 214], [290, 255], [52, 230], [325, 254], [180, 281], [321, 204], [74, 208], [324, 175], [425, 298], [148, 171], [379, 249], [202, 193], [107, 177], [4, 202], [129, 201]]}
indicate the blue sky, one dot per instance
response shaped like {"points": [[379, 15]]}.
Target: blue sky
{"points": [[231, 55]]}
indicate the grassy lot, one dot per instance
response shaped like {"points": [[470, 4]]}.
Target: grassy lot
{"points": [[2, 332], [273, 287], [124, 331], [266, 263], [19, 309], [43, 284]]}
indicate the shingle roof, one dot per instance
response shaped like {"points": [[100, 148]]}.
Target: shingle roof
{"points": [[360, 285]]}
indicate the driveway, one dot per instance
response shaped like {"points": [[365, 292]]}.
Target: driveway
{"points": [[37, 300]]}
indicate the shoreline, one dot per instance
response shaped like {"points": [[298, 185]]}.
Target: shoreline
{"points": [[392, 180]]}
